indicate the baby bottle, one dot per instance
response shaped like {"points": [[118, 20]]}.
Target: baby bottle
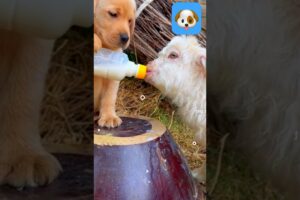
{"points": [[116, 65]]}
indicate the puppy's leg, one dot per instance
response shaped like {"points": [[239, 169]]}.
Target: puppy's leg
{"points": [[108, 116], [23, 160]]}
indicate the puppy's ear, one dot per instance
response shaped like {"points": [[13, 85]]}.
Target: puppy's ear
{"points": [[195, 16], [177, 16], [132, 26]]}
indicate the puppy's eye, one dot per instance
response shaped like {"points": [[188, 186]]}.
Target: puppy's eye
{"points": [[182, 20], [173, 55], [113, 14], [130, 21]]}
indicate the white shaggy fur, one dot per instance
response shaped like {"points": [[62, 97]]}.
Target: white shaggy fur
{"points": [[254, 68], [183, 80]]}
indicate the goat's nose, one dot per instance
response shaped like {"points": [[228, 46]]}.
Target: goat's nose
{"points": [[124, 38]]}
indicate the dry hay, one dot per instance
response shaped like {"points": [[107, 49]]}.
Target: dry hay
{"points": [[67, 105], [130, 101]]}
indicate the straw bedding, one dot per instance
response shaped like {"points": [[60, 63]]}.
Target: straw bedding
{"points": [[67, 104]]}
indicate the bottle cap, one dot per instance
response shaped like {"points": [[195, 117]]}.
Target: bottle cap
{"points": [[142, 71]]}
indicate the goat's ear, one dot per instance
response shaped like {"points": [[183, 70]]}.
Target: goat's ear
{"points": [[195, 16], [201, 62], [177, 16]]}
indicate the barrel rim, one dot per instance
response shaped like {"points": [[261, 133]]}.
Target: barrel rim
{"points": [[158, 129]]}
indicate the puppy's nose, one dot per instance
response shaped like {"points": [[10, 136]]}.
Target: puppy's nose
{"points": [[186, 25], [124, 38]]}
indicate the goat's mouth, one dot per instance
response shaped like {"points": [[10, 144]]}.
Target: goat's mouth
{"points": [[150, 69], [149, 72], [149, 76]]}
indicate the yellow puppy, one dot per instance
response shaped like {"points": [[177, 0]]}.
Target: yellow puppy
{"points": [[114, 22]]}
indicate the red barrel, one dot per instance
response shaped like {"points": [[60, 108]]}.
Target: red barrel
{"points": [[140, 161]]}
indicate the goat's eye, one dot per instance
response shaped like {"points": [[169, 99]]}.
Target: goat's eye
{"points": [[173, 55], [113, 14], [130, 21]]}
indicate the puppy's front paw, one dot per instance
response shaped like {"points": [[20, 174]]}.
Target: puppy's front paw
{"points": [[109, 121], [29, 170]]}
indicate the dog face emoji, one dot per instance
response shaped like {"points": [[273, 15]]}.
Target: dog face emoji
{"points": [[186, 19]]}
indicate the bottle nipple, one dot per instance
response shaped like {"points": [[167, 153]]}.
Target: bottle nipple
{"points": [[141, 72]]}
